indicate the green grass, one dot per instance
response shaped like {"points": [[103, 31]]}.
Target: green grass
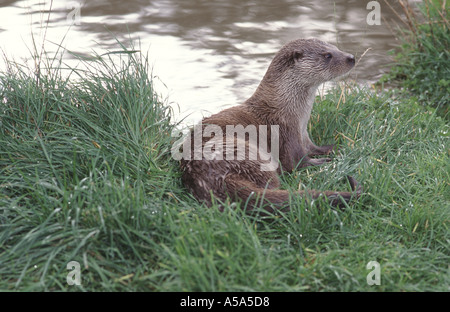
{"points": [[84, 171], [422, 65], [86, 175]]}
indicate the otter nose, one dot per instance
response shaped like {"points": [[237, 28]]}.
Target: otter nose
{"points": [[351, 59]]}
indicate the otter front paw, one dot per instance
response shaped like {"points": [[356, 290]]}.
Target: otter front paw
{"points": [[314, 162], [321, 150]]}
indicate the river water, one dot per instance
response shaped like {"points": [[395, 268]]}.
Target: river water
{"points": [[206, 55]]}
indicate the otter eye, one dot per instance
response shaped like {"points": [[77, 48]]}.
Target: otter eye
{"points": [[328, 55], [298, 55]]}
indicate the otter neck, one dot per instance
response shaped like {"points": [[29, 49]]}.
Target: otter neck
{"points": [[277, 104]]}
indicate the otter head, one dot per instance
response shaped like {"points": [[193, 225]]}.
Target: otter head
{"points": [[311, 62]]}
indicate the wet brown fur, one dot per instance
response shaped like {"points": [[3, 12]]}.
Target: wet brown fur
{"points": [[285, 98]]}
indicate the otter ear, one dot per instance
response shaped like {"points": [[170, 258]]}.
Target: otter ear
{"points": [[297, 55]]}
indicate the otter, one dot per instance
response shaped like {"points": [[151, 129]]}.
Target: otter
{"points": [[276, 114]]}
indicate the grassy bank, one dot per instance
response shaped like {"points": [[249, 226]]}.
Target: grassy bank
{"points": [[422, 65], [84, 172], [86, 175]]}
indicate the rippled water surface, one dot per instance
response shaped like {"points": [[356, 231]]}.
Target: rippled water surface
{"points": [[209, 54]]}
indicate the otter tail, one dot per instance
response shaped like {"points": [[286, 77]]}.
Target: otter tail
{"points": [[251, 194]]}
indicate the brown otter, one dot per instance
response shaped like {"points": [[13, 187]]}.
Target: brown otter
{"points": [[278, 112]]}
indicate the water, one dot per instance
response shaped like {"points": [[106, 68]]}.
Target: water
{"points": [[207, 55]]}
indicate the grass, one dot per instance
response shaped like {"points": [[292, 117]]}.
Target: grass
{"points": [[422, 65], [86, 175]]}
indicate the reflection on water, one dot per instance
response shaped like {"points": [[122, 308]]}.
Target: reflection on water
{"points": [[209, 54]]}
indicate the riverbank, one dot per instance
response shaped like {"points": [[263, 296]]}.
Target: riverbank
{"points": [[87, 177]]}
